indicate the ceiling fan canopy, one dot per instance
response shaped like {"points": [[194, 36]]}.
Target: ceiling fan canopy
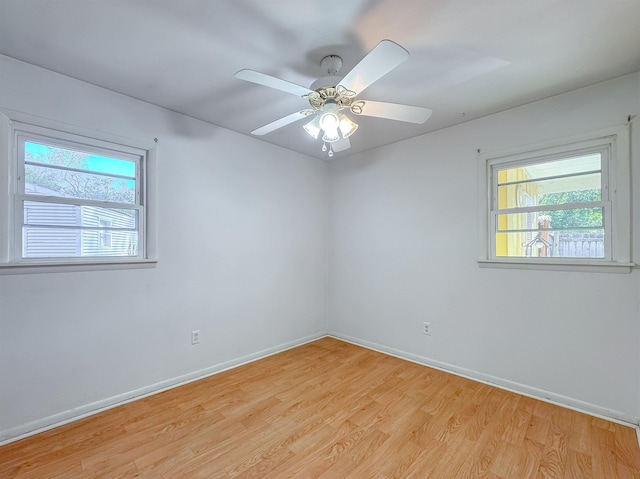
{"points": [[331, 96]]}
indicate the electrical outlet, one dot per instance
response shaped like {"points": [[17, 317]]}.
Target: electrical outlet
{"points": [[195, 337], [426, 328]]}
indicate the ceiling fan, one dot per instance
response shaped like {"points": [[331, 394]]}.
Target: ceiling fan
{"points": [[332, 95]]}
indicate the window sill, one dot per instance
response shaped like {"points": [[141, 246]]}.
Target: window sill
{"points": [[67, 267], [593, 266]]}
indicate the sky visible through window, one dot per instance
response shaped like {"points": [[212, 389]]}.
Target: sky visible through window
{"points": [[76, 173], [96, 163]]}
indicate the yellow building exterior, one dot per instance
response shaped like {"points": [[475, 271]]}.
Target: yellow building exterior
{"points": [[514, 194]]}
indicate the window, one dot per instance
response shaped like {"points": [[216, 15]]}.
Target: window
{"points": [[552, 207], [75, 199], [105, 233], [566, 204]]}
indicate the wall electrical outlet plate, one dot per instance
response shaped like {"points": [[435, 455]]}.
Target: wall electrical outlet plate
{"points": [[195, 337], [426, 328]]}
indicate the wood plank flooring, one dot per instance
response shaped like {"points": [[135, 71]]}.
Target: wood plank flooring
{"points": [[329, 409]]}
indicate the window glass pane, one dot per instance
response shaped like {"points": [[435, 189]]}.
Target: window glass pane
{"points": [[50, 242], [575, 180], [555, 219], [63, 230], [581, 244], [54, 155], [40, 242], [573, 189], [552, 244], [560, 167], [54, 171], [59, 214]]}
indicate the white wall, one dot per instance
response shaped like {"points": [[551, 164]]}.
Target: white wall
{"points": [[635, 172], [242, 231], [252, 274], [403, 247]]}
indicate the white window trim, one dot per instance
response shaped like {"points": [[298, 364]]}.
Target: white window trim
{"points": [[11, 122], [619, 195]]}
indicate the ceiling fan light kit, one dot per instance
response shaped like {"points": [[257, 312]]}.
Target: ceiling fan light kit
{"points": [[329, 121], [331, 94], [347, 127]]}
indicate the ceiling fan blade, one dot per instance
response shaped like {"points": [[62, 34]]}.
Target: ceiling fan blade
{"points": [[274, 125], [272, 82], [341, 145], [395, 111], [385, 56]]}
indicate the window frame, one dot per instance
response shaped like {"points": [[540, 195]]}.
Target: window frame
{"points": [[616, 200], [15, 128]]}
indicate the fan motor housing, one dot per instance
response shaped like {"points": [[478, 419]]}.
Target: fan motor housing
{"points": [[324, 82]]}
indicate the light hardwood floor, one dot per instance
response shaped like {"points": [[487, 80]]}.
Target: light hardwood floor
{"points": [[329, 409]]}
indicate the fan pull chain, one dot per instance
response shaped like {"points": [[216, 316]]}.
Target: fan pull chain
{"points": [[324, 149]]}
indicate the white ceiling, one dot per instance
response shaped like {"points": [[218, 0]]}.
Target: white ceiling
{"points": [[469, 58]]}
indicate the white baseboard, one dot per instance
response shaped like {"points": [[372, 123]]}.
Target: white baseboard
{"points": [[65, 417], [24, 430], [535, 393]]}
